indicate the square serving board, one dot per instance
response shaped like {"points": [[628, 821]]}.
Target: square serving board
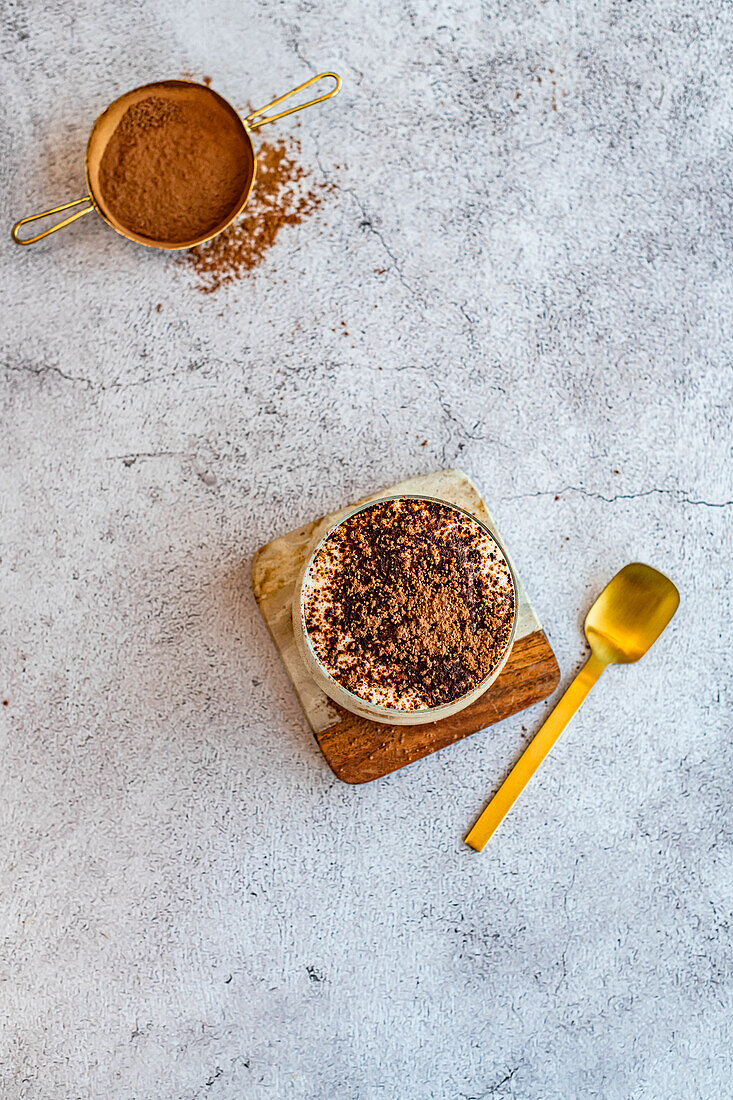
{"points": [[356, 749]]}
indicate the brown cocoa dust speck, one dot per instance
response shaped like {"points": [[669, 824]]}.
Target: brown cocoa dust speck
{"points": [[283, 194], [196, 79]]}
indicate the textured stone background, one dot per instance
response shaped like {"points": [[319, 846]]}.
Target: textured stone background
{"points": [[536, 280]]}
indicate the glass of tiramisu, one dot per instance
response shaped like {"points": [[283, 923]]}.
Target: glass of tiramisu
{"points": [[406, 610]]}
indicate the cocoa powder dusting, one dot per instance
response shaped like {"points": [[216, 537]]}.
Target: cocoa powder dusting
{"points": [[282, 195], [417, 604]]}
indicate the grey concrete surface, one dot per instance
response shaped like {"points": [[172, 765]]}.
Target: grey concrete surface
{"points": [[529, 242]]}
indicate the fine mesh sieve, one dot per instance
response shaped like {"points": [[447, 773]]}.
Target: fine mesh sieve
{"points": [[186, 90]]}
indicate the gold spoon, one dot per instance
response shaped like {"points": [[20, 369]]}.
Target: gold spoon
{"points": [[624, 622]]}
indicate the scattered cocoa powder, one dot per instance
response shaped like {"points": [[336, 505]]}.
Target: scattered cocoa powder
{"points": [[282, 195], [176, 166]]}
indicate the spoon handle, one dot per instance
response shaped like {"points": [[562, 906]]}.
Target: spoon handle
{"points": [[535, 753]]}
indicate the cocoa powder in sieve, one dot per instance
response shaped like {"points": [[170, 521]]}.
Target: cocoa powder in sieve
{"points": [[176, 165]]}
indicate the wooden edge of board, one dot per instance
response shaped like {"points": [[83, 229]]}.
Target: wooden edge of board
{"points": [[358, 751]]}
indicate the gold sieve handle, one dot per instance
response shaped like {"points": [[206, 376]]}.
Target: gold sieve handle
{"points": [[253, 121], [46, 214]]}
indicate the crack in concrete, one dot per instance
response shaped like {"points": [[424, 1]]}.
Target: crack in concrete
{"points": [[95, 385], [369, 225], [493, 1089], [469, 331], [681, 494], [396, 264], [39, 372], [297, 51], [564, 973], [464, 434], [503, 1081], [131, 459], [146, 381], [449, 417]]}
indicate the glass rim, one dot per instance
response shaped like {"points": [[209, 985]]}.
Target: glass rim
{"points": [[359, 700]]}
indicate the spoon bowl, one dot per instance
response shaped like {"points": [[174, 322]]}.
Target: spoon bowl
{"points": [[630, 614]]}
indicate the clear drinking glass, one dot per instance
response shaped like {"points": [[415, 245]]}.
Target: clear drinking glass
{"points": [[354, 703]]}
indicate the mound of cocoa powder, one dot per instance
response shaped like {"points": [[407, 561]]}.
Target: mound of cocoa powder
{"points": [[176, 165]]}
